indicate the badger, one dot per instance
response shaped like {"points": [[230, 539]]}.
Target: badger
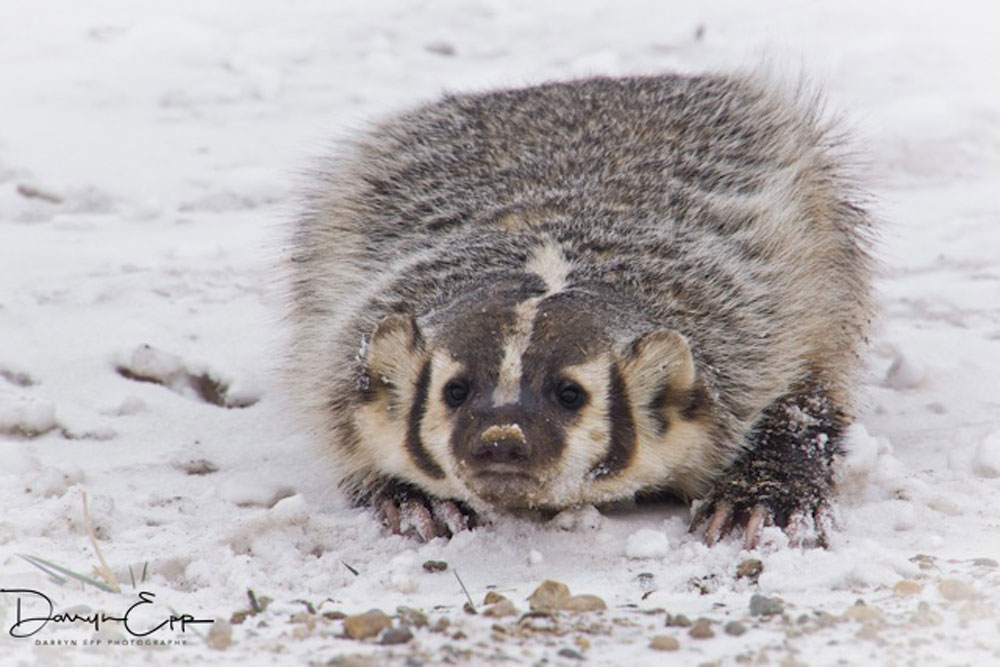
{"points": [[585, 292]]}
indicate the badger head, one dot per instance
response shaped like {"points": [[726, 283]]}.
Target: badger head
{"points": [[535, 392]]}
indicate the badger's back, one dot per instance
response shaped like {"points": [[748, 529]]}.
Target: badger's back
{"points": [[715, 202]]}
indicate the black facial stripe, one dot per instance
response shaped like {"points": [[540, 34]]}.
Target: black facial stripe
{"points": [[695, 404], [414, 445], [622, 445], [657, 408]]}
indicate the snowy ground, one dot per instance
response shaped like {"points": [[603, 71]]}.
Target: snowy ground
{"points": [[147, 156]]}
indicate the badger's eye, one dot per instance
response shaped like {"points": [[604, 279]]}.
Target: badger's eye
{"points": [[570, 395], [455, 392]]}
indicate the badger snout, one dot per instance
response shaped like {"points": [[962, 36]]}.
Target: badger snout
{"points": [[500, 444], [499, 466]]}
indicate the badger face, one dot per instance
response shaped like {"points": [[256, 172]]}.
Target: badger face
{"points": [[532, 393]]}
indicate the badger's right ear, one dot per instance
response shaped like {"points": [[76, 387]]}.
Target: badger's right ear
{"points": [[659, 368], [395, 353]]}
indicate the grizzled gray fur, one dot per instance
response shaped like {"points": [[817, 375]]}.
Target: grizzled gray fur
{"points": [[583, 292]]}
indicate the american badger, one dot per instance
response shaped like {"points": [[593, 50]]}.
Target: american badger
{"points": [[583, 292]]}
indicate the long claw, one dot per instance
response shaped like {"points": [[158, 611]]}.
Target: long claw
{"points": [[758, 518], [717, 527], [449, 516], [417, 520], [824, 525], [388, 512]]}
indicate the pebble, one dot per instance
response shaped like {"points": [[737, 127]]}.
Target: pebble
{"points": [[907, 587], [435, 566], [862, 613], [679, 621], [583, 603], [500, 609], [411, 617], [441, 625], [369, 624], [734, 628], [664, 643], [399, 635], [953, 589], [549, 596], [570, 653], [764, 606], [702, 629], [220, 635], [925, 562], [985, 562], [352, 661], [749, 569], [493, 597]]}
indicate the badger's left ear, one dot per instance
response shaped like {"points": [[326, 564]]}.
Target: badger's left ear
{"points": [[659, 368], [395, 353]]}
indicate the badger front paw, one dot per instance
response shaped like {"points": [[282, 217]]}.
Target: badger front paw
{"points": [[783, 478], [405, 510], [735, 505]]}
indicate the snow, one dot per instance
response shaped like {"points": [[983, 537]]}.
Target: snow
{"points": [[647, 543], [149, 153]]}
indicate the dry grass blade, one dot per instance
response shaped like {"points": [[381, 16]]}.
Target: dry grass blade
{"points": [[54, 571], [106, 573]]}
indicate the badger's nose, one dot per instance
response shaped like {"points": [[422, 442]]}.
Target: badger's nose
{"points": [[508, 450], [501, 444]]}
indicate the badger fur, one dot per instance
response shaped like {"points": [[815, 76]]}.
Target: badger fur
{"points": [[582, 292]]}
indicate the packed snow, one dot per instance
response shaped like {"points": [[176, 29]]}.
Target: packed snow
{"points": [[149, 159]]}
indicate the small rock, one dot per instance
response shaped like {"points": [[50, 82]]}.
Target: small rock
{"points": [[925, 562], [570, 653], [549, 596], [985, 562], [220, 635], [953, 589], [441, 625], [764, 606], [334, 615], [352, 661], [411, 617], [500, 609], [197, 467], [678, 621], [435, 566], [734, 628], [749, 569], [393, 636], [493, 597], [907, 587], [583, 603], [369, 624], [440, 48], [702, 629], [862, 613], [664, 643]]}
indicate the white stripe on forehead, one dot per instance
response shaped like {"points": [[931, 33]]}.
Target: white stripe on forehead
{"points": [[548, 263]]}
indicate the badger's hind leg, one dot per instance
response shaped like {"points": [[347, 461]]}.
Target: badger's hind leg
{"points": [[785, 476], [406, 510]]}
